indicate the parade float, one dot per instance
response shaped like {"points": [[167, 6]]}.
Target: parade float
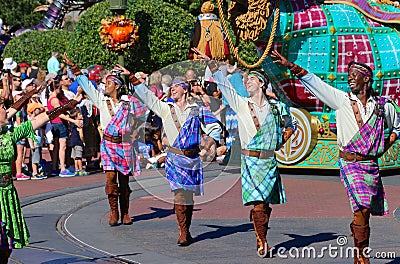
{"points": [[322, 37]]}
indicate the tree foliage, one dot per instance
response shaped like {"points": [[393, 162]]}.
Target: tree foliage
{"points": [[164, 32], [37, 45], [21, 12]]}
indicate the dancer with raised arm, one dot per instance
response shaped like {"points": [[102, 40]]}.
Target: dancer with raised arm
{"points": [[183, 123], [119, 114], [361, 118], [265, 124]]}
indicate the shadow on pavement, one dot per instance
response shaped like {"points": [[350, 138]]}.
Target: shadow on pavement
{"points": [[300, 241], [157, 213], [222, 231], [394, 261]]}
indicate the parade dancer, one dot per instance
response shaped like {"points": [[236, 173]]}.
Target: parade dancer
{"points": [[14, 232], [182, 123], [118, 118], [265, 124], [361, 118]]}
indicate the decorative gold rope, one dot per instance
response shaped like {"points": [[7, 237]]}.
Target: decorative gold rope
{"points": [[235, 49]]}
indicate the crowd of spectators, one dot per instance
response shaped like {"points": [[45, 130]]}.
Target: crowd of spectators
{"points": [[73, 140]]}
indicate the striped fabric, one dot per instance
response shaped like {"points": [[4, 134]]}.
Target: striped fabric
{"points": [[261, 180], [362, 179], [183, 172], [121, 156], [375, 10]]}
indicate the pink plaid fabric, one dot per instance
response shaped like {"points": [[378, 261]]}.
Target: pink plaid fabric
{"points": [[346, 55], [119, 157], [391, 89], [299, 94], [309, 18]]}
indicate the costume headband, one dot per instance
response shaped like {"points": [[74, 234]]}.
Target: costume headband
{"points": [[361, 68], [181, 83], [115, 79], [258, 76]]}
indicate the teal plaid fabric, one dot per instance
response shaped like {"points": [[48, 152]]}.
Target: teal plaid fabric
{"points": [[261, 180]]}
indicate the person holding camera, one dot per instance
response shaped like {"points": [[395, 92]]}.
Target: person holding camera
{"points": [[119, 114]]}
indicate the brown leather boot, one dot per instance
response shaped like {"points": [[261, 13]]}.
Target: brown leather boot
{"points": [[184, 238], [260, 220], [114, 214], [189, 214], [124, 206], [361, 241]]}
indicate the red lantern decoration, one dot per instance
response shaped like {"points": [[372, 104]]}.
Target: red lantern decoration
{"points": [[118, 33]]}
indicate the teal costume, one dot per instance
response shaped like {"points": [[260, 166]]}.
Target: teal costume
{"points": [[261, 180]]}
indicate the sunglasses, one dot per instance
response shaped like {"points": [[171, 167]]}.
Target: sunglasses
{"points": [[194, 83], [16, 79], [65, 79]]}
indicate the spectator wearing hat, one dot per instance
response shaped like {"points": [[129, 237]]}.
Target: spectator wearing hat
{"points": [[23, 67], [182, 121], [9, 64], [34, 109]]}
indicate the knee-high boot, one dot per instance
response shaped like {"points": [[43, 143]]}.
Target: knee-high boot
{"points": [[5, 255], [124, 194], [112, 193], [260, 216], [183, 205], [361, 241], [124, 206]]}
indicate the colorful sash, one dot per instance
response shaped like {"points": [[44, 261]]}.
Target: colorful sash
{"points": [[362, 179], [183, 172], [121, 156], [261, 180]]}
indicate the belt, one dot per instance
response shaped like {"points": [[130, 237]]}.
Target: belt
{"points": [[113, 139], [185, 152], [352, 156], [263, 154]]}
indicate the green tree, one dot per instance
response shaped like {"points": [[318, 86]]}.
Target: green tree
{"points": [[164, 32], [37, 45], [21, 12]]}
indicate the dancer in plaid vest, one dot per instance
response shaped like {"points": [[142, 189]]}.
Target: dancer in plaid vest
{"points": [[264, 126], [361, 118], [118, 119], [182, 123]]}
